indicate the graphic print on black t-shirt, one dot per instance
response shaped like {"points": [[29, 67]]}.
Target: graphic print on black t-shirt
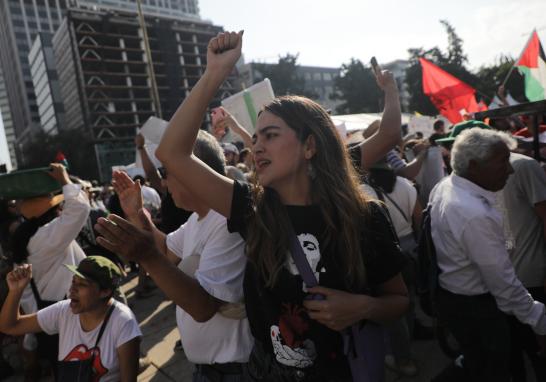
{"points": [[310, 245], [82, 353], [276, 314], [290, 338]]}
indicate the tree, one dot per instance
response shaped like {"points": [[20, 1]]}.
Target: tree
{"points": [[76, 146], [357, 88], [284, 76], [492, 76], [453, 62]]}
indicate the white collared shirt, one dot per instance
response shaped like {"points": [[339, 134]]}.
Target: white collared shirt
{"points": [[468, 235], [54, 245]]}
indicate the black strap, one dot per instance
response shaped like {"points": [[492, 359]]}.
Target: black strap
{"points": [[398, 208], [300, 260], [381, 195], [41, 303], [103, 326], [35, 292]]}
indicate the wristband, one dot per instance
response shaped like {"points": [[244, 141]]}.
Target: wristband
{"points": [[140, 147]]}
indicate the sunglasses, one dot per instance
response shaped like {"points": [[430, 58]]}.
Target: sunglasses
{"points": [[162, 172]]}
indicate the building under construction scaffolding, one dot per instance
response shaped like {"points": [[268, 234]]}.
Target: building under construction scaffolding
{"points": [[105, 77]]}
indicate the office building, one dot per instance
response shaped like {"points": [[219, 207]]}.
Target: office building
{"points": [[319, 81], [105, 79], [46, 84]]}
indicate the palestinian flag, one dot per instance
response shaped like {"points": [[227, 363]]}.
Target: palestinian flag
{"points": [[60, 158], [532, 66]]}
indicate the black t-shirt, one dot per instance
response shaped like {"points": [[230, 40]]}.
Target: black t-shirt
{"points": [[277, 316]]}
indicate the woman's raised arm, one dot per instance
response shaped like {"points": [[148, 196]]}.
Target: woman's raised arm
{"points": [[175, 149], [389, 132]]}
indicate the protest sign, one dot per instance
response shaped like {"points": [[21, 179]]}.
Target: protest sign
{"points": [[246, 105]]}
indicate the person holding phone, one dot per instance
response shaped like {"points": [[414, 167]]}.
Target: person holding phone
{"points": [[305, 180]]}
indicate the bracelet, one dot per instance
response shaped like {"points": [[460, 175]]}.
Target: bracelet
{"points": [[140, 147]]}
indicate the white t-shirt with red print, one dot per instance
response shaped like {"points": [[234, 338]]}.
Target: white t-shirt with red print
{"points": [[76, 344]]}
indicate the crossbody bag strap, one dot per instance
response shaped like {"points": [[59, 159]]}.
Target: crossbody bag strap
{"points": [[300, 260], [35, 292], [310, 281], [398, 208], [103, 326]]}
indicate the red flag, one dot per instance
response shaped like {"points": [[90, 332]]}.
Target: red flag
{"points": [[482, 106], [452, 97]]}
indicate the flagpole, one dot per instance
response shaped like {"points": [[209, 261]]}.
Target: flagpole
{"points": [[519, 58]]}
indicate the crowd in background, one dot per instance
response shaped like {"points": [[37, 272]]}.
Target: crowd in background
{"points": [[213, 228]]}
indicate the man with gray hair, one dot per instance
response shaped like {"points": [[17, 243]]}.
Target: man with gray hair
{"points": [[478, 287]]}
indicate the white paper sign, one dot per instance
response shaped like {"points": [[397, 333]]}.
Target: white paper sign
{"points": [[253, 98], [152, 131]]}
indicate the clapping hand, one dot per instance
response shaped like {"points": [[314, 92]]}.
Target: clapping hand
{"points": [[125, 239], [19, 278], [129, 192]]}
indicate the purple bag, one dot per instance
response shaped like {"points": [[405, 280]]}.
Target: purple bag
{"points": [[364, 343]]}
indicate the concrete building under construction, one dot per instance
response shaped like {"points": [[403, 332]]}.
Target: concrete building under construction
{"points": [[105, 77]]}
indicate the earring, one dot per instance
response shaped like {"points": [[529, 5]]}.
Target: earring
{"points": [[311, 171]]}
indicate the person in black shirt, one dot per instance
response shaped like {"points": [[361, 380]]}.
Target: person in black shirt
{"points": [[305, 180]]}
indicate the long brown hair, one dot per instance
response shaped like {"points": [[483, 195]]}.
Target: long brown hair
{"points": [[335, 188]]}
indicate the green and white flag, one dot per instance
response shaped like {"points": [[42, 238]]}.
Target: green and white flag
{"points": [[532, 66]]}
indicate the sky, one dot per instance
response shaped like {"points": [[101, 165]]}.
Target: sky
{"points": [[330, 33]]}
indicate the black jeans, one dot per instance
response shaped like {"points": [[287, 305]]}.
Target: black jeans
{"points": [[227, 372], [483, 332]]}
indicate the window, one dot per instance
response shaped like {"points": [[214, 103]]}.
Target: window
{"points": [[327, 76], [317, 77]]}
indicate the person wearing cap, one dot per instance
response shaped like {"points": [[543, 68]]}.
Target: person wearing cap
{"points": [[91, 325], [46, 239], [457, 129], [478, 286]]}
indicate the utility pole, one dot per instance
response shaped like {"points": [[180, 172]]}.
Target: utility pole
{"points": [[155, 92]]}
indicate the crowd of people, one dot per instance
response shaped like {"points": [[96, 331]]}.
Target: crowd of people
{"points": [[287, 251]]}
